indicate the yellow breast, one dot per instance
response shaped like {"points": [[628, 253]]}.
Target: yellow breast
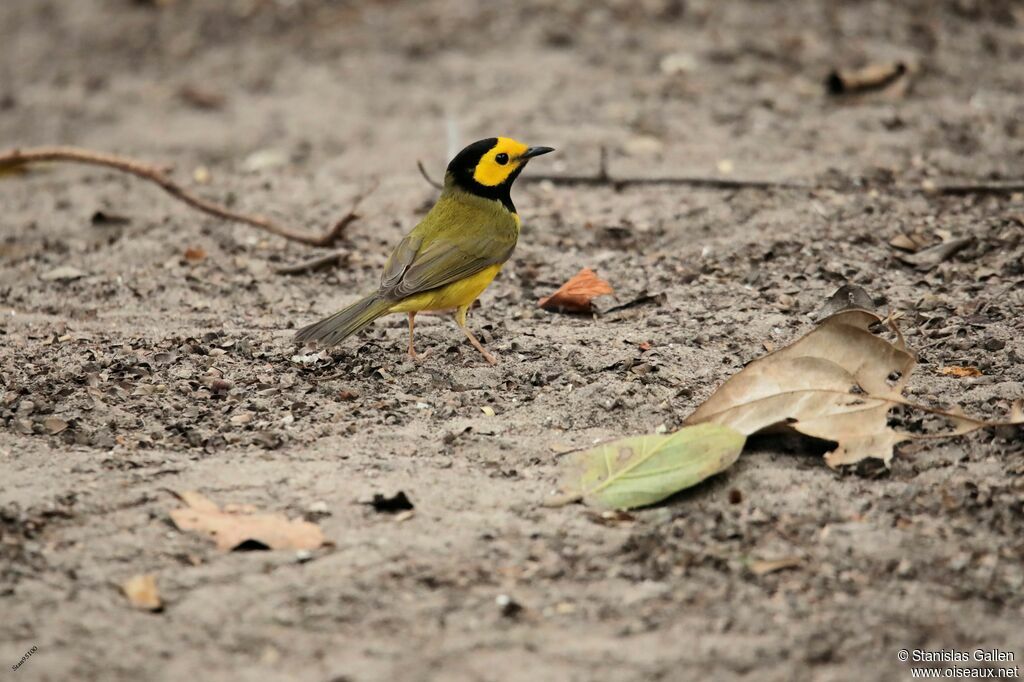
{"points": [[455, 295]]}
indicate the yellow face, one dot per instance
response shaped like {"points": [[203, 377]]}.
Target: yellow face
{"points": [[499, 162]]}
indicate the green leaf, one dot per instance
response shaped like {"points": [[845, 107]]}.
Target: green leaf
{"points": [[642, 470]]}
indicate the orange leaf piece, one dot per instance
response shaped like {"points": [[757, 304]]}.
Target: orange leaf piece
{"points": [[960, 372], [575, 296], [142, 592], [236, 528], [195, 254]]}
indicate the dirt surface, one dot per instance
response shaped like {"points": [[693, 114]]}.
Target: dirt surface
{"points": [[129, 369]]}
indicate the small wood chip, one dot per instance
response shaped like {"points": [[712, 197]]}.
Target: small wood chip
{"points": [[760, 568]]}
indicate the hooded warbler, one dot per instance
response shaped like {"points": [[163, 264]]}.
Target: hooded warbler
{"points": [[453, 254]]}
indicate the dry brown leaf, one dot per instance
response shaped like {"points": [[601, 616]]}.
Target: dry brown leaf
{"points": [[575, 296], [194, 254], [909, 242], [934, 255], [961, 372], [239, 529], [142, 592], [811, 377], [845, 297], [837, 383]]}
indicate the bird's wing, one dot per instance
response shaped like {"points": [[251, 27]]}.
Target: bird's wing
{"points": [[400, 260], [418, 265]]}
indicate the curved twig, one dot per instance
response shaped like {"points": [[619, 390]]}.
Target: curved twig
{"points": [[158, 175], [423, 171]]}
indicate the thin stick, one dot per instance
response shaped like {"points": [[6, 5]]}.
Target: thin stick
{"points": [[430, 181], [314, 263], [978, 188], [20, 157], [602, 163], [604, 177], [690, 181], [601, 179]]}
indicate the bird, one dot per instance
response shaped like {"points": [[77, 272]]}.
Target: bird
{"points": [[453, 254]]}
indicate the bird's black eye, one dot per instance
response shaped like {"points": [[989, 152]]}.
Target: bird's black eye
{"points": [[501, 158]]}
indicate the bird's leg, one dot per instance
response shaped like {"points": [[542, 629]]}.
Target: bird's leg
{"points": [[412, 351], [460, 319]]}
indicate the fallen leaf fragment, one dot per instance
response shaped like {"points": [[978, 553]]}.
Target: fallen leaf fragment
{"points": [[238, 529], [908, 242], [932, 256], [64, 273], [643, 470], [142, 592], [845, 297], [764, 567], [576, 295], [194, 254], [961, 372], [889, 79]]}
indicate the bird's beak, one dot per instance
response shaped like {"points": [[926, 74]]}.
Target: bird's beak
{"points": [[535, 151]]}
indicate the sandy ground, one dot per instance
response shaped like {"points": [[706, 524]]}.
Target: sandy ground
{"points": [[303, 105]]}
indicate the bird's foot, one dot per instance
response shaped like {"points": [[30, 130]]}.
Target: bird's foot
{"points": [[417, 356], [476, 344]]}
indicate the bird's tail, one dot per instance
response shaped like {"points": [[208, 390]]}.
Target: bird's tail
{"points": [[346, 322]]}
